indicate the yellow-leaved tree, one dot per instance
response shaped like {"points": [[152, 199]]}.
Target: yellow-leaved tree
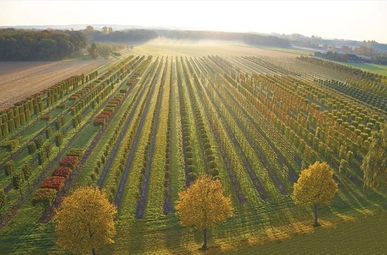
{"points": [[85, 220], [203, 205], [315, 186]]}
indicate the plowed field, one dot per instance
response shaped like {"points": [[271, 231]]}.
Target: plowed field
{"points": [[19, 80]]}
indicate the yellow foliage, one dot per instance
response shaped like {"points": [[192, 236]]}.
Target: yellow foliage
{"points": [[315, 185], [203, 204], [85, 220]]}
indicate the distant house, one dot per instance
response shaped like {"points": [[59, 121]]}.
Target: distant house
{"points": [[353, 58], [339, 56]]}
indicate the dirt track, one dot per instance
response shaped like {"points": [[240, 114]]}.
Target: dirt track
{"points": [[19, 80]]}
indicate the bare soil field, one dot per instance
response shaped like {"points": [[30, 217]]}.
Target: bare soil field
{"points": [[169, 47], [19, 80]]}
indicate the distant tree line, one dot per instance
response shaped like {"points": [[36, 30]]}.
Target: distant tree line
{"points": [[346, 46], [251, 39], [139, 36], [333, 56], [26, 45], [380, 59], [107, 35], [19, 44]]}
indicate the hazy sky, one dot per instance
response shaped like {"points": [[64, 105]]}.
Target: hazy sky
{"points": [[343, 19]]}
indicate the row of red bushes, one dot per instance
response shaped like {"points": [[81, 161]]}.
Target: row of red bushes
{"points": [[53, 184], [105, 115], [80, 93]]}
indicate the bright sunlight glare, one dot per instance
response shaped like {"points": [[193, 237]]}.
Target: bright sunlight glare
{"points": [[357, 20]]}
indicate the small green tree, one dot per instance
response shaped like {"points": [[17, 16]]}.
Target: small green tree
{"points": [[342, 152], [350, 157], [58, 139], [11, 146], [9, 168], [17, 180], [93, 51], [343, 168], [27, 171], [31, 148], [39, 141], [374, 164], [48, 132], [42, 156]]}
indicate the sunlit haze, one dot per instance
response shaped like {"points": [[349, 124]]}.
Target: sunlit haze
{"points": [[356, 20]]}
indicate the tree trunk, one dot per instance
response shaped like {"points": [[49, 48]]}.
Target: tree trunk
{"points": [[316, 224], [93, 251], [204, 247]]}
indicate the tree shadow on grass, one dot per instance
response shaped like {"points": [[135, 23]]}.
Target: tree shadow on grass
{"points": [[24, 235], [135, 243], [128, 240], [178, 239]]}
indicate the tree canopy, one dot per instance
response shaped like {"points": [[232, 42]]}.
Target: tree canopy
{"points": [[93, 51], [374, 164], [203, 205], [315, 186], [19, 44], [85, 220]]}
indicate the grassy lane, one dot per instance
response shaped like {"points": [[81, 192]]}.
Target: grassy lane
{"points": [[189, 122], [152, 179], [350, 236], [114, 168], [178, 178], [201, 134], [183, 124], [130, 195], [375, 68], [228, 178], [156, 191]]}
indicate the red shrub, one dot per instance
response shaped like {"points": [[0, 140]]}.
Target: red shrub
{"points": [[53, 182], [75, 96], [108, 113], [103, 116], [70, 162], [99, 122], [115, 101], [62, 171]]}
